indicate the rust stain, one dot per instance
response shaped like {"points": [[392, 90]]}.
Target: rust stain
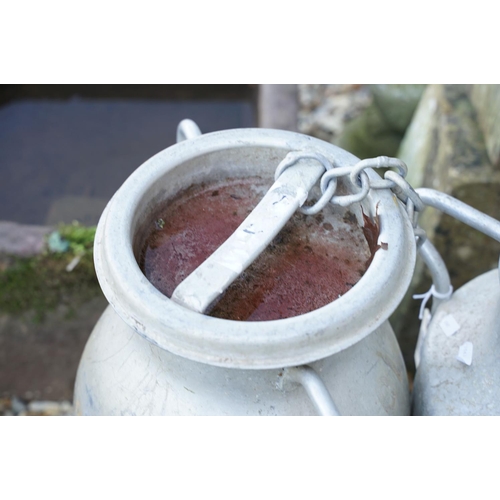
{"points": [[371, 230], [311, 262]]}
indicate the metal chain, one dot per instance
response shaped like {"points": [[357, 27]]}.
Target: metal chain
{"points": [[356, 175]]}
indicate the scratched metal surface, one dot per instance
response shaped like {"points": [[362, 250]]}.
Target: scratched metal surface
{"points": [[443, 384]]}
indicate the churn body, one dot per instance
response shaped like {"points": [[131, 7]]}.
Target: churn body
{"points": [[447, 383], [149, 355]]}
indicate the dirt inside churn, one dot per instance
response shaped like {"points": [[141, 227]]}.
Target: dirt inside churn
{"points": [[312, 261]]}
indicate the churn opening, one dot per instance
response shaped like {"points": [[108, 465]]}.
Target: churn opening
{"points": [[313, 261], [209, 161]]}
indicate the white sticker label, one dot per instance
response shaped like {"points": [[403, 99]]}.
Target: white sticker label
{"points": [[449, 325], [465, 353]]}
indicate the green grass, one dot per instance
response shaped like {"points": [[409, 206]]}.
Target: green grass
{"points": [[80, 238], [42, 283]]}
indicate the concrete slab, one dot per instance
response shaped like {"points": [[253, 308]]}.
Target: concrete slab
{"points": [[53, 149], [21, 239], [40, 360], [278, 106], [84, 209]]}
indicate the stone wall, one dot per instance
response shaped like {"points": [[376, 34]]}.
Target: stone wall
{"points": [[486, 102]]}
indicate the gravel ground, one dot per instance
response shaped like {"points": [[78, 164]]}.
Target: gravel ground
{"points": [[18, 407]]}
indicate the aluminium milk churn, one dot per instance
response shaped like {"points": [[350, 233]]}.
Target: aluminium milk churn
{"points": [[250, 272], [458, 350]]}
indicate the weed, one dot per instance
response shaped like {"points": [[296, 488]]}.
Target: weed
{"points": [[42, 283]]}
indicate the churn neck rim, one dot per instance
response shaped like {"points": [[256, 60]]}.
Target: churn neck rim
{"points": [[238, 344]]}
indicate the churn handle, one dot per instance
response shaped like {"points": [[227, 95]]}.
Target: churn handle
{"points": [[461, 211], [441, 289], [315, 389], [441, 281], [289, 192], [187, 129]]}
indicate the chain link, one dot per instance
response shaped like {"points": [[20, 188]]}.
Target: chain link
{"points": [[379, 162], [394, 179], [404, 191], [328, 190]]}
